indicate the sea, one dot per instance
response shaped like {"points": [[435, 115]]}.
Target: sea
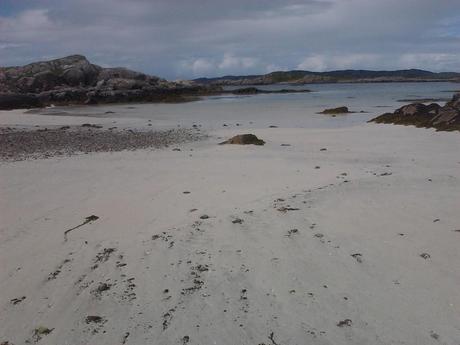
{"points": [[288, 110]]}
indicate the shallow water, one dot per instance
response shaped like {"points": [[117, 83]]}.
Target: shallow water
{"points": [[283, 110]]}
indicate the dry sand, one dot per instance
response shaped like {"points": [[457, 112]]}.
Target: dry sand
{"points": [[289, 254]]}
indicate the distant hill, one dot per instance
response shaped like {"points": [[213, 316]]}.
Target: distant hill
{"points": [[343, 76]]}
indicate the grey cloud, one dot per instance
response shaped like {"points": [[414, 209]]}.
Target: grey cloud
{"points": [[183, 39]]}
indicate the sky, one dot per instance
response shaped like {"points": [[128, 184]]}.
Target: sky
{"points": [[184, 39]]}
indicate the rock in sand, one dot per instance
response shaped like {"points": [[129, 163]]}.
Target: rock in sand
{"points": [[244, 139]]}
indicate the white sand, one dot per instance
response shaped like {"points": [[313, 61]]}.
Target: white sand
{"points": [[261, 280]]}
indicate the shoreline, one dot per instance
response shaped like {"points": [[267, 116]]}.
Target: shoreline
{"points": [[31, 100]]}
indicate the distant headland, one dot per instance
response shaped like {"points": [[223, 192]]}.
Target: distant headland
{"points": [[343, 76]]}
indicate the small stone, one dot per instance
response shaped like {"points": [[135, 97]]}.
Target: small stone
{"points": [[18, 300], [434, 335], [345, 323], [93, 319], [358, 257], [39, 332], [103, 287], [425, 256]]}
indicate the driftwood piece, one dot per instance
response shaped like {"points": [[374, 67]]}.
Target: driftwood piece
{"points": [[89, 219]]}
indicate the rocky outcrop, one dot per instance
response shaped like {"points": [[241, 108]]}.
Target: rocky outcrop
{"points": [[74, 70], [74, 80], [443, 118], [244, 139]]}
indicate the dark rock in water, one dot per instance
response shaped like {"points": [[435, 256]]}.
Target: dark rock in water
{"points": [[10, 101], [423, 100], [246, 91], [339, 110], [446, 118], [244, 139], [254, 91], [291, 91]]}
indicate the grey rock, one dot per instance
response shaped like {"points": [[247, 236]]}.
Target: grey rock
{"points": [[443, 118], [244, 139], [74, 80]]}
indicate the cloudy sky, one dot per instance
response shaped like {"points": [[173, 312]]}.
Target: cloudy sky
{"points": [[191, 38]]}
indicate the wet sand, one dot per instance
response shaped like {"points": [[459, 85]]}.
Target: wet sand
{"points": [[347, 236]]}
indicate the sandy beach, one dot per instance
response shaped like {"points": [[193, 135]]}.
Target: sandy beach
{"points": [[346, 236]]}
